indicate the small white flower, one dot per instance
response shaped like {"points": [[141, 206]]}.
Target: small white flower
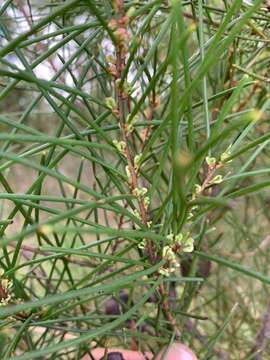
{"points": [[179, 238], [164, 272], [217, 179], [142, 244], [137, 160], [136, 213], [127, 87], [168, 254], [120, 146], [170, 237], [110, 103], [146, 202], [6, 284], [5, 301], [211, 161], [131, 122], [184, 241], [128, 171], [130, 128], [198, 189], [139, 192], [187, 244], [149, 223], [227, 153]]}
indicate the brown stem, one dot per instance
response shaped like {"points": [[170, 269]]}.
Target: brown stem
{"points": [[210, 174], [167, 311], [123, 106]]}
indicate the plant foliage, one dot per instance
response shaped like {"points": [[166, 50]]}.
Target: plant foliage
{"points": [[134, 176]]}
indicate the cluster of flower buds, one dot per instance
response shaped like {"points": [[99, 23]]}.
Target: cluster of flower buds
{"points": [[142, 244], [5, 290], [120, 146], [181, 242], [111, 104], [119, 26], [212, 162], [212, 179], [137, 159], [226, 154], [136, 213], [131, 121], [140, 193]]}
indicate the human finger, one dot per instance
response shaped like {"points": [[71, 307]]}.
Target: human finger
{"points": [[177, 351]]}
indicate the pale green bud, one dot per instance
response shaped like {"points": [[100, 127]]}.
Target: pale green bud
{"points": [[110, 103], [217, 179], [211, 161]]}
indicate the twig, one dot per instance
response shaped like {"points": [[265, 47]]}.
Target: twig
{"points": [[120, 30], [263, 335], [119, 26], [167, 311]]}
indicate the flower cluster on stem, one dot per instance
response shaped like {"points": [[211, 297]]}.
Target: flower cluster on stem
{"points": [[211, 177], [5, 290], [176, 244], [123, 110]]}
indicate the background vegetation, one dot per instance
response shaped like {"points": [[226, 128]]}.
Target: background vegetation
{"points": [[134, 172]]}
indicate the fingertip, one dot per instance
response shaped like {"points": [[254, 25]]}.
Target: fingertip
{"points": [[177, 351]]}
